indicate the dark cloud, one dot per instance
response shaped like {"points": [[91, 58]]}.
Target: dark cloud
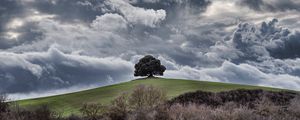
{"points": [[173, 29], [270, 48], [271, 5], [8, 10], [174, 7], [25, 34], [171, 4], [288, 48], [72, 10], [29, 72], [15, 26], [255, 42], [253, 4], [30, 13]]}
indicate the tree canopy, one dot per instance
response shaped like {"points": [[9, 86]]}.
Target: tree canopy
{"points": [[149, 66]]}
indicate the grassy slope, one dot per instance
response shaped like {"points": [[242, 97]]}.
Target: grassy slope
{"points": [[70, 103]]}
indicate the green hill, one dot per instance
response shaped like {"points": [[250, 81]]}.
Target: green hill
{"points": [[70, 103]]}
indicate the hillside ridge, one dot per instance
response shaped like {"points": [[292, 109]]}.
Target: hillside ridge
{"points": [[71, 102]]}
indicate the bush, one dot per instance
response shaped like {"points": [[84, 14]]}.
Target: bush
{"points": [[237, 105], [12, 111], [41, 113], [203, 112], [16, 113], [294, 107], [146, 97], [92, 111], [73, 117], [189, 112], [265, 107], [4, 106], [281, 98], [139, 104], [119, 107], [198, 97], [44, 113], [241, 97], [143, 100]]}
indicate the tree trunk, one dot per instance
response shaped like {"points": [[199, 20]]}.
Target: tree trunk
{"points": [[150, 76]]}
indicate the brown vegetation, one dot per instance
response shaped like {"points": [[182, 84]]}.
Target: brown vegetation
{"points": [[92, 111], [241, 97]]}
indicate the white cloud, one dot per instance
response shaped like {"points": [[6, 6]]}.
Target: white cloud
{"points": [[136, 15], [224, 7], [109, 22], [12, 60], [98, 39], [232, 73], [247, 74]]}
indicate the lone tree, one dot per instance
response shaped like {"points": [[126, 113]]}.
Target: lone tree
{"points": [[149, 66]]}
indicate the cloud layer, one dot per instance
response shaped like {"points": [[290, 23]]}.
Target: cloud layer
{"points": [[61, 44], [38, 71]]}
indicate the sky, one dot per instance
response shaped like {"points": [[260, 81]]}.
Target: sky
{"points": [[51, 47]]}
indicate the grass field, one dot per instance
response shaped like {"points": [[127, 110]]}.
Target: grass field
{"points": [[70, 103]]}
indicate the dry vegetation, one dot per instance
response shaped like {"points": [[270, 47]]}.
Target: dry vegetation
{"points": [[150, 103]]}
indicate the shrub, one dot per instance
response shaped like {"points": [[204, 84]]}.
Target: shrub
{"points": [[44, 113], [294, 107], [198, 97], [119, 107], [240, 97], [92, 111], [281, 98], [266, 107], [203, 112], [73, 117], [146, 97], [4, 106], [41, 113], [161, 112], [189, 112], [237, 105], [17, 113], [141, 103], [12, 111]]}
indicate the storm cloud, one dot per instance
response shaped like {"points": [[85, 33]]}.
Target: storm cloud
{"points": [[21, 73], [57, 45], [271, 5]]}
